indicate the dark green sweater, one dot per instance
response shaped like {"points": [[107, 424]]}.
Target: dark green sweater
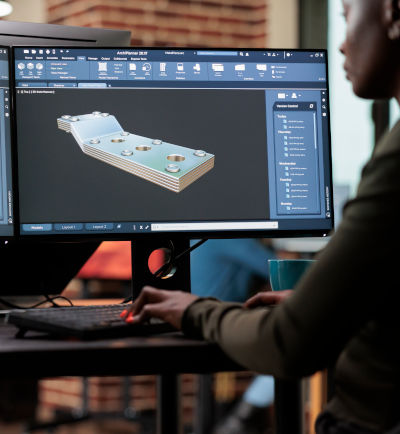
{"points": [[344, 310]]}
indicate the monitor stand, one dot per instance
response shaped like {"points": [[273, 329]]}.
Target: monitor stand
{"points": [[168, 385], [141, 274]]}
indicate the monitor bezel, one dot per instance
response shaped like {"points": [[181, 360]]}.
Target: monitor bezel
{"points": [[15, 224], [128, 236]]}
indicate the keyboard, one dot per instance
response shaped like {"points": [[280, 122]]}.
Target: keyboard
{"points": [[84, 322]]}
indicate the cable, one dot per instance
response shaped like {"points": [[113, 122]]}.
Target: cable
{"points": [[168, 265], [190, 249], [48, 299], [51, 300], [159, 273], [171, 262]]}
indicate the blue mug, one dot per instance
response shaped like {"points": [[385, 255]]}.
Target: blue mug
{"points": [[285, 273]]}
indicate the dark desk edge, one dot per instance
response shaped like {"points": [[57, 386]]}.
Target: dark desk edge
{"points": [[39, 357]]}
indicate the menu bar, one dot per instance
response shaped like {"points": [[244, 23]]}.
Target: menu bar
{"points": [[127, 54], [52, 67]]}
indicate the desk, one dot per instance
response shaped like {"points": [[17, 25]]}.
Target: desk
{"points": [[167, 356], [112, 260]]}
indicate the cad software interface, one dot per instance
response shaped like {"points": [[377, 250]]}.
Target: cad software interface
{"points": [[6, 192], [162, 140]]}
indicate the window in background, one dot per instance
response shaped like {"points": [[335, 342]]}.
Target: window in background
{"points": [[283, 23], [394, 112], [351, 122]]}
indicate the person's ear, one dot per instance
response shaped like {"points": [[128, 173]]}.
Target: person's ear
{"points": [[392, 19]]}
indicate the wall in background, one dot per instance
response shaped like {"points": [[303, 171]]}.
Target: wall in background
{"points": [[236, 23], [34, 11], [226, 23]]}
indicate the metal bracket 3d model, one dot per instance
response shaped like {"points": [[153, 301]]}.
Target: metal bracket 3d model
{"points": [[171, 166]]}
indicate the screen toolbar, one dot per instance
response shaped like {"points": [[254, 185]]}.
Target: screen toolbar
{"points": [[115, 68]]}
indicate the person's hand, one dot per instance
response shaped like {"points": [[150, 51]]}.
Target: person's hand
{"points": [[166, 305], [266, 298]]}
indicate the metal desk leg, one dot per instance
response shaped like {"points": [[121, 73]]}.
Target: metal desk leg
{"points": [[204, 416], [168, 404], [288, 407]]}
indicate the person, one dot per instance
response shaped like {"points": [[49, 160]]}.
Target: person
{"points": [[344, 310], [232, 270]]}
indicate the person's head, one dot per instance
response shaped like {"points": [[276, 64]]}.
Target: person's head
{"points": [[372, 47]]}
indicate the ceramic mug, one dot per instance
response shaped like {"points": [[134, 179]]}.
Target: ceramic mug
{"points": [[285, 273]]}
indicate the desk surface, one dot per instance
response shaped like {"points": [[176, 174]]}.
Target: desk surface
{"points": [[40, 356]]}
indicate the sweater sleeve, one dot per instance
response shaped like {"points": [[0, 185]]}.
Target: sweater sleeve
{"points": [[335, 298]]}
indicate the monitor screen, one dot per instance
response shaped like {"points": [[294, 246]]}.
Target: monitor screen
{"points": [[6, 181], [119, 142]]}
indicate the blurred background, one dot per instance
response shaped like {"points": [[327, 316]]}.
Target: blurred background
{"points": [[356, 125]]}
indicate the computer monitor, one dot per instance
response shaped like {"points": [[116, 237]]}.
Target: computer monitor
{"points": [[6, 179], [140, 143], [17, 33], [38, 267], [20, 33]]}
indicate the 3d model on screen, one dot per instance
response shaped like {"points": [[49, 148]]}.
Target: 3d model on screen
{"points": [[101, 136]]}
